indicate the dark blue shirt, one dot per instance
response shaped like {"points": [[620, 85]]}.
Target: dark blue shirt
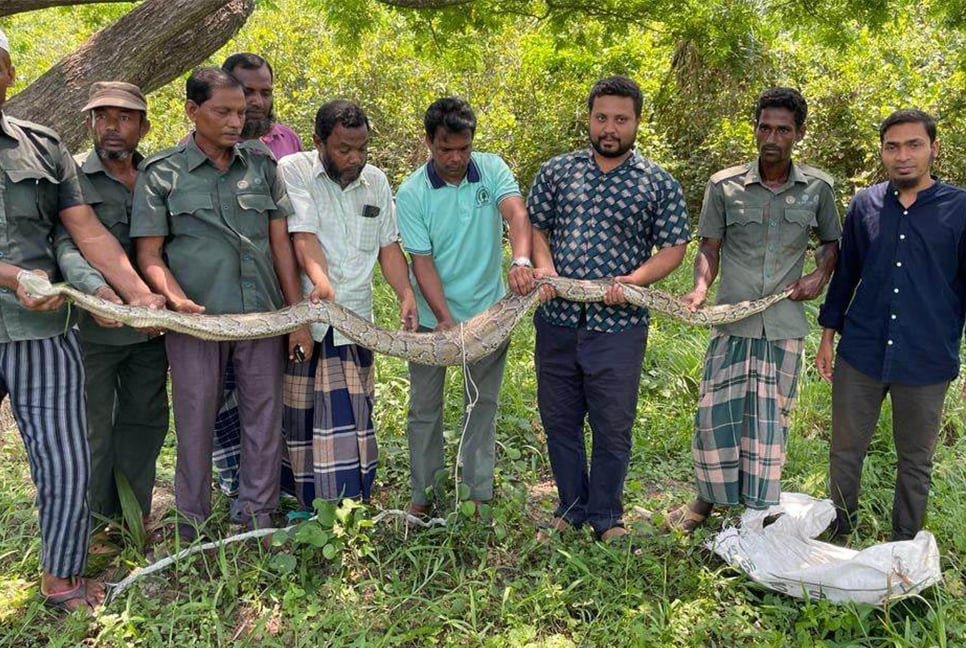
{"points": [[604, 225], [898, 296]]}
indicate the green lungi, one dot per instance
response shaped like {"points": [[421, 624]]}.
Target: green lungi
{"points": [[747, 393]]}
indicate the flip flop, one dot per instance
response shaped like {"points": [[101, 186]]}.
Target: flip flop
{"points": [[683, 519], [60, 600], [549, 530]]}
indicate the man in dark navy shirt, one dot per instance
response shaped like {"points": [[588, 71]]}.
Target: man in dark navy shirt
{"points": [[898, 300]]}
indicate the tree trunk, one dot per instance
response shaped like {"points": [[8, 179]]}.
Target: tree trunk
{"points": [[150, 46], [10, 7]]}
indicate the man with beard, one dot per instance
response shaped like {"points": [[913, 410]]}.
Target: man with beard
{"points": [[126, 370], [343, 221], [41, 369], [755, 224], [257, 77], [451, 215], [209, 216], [599, 213], [898, 300]]}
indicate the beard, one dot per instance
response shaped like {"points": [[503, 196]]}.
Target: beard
{"points": [[104, 154], [906, 183], [622, 149], [337, 175], [258, 127]]}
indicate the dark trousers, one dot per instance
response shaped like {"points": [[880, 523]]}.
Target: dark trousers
{"points": [[127, 419], [916, 412], [593, 375], [197, 390]]}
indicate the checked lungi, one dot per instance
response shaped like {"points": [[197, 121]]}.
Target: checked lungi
{"points": [[747, 394], [327, 424]]}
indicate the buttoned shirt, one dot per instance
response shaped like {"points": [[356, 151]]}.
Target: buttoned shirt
{"points": [[898, 296], [764, 235], [460, 226], [215, 223], [604, 224], [39, 180], [352, 225], [113, 209]]}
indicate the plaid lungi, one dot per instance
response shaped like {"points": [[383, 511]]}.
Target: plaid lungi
{"points": [[747, 393], [227, 447], [327, 424]]}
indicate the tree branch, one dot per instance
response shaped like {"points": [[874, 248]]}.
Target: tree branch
{"points": [[153, 44], [11, 7]]}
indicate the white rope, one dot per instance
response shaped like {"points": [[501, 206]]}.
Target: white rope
{"points": [[115, 589], [472, 394]]}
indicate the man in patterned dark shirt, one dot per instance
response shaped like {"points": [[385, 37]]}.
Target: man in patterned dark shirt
{"points": [[599, 212]]}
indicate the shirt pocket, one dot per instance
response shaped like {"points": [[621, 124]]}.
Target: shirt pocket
{"points": [[111, 214], [253, 214], [32, 193], [366, 233], [803, 217], [743, 216], [798, 225], [187, 213]]}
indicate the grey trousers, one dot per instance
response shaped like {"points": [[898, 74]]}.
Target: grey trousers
{"points": [[424, 427], [916, 413], [197, 390]]}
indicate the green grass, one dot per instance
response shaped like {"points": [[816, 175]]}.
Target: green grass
{"points": [[476, 584]]}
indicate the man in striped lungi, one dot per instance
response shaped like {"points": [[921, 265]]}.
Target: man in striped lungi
{"points": [[755, 225]]}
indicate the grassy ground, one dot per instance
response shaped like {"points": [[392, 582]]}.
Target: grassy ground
{"points": [[346, 583]]}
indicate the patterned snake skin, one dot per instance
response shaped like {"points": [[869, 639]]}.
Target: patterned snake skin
{"points": [[467, 342]]}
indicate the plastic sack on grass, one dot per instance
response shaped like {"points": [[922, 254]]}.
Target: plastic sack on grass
{"points": [[777, 548]]}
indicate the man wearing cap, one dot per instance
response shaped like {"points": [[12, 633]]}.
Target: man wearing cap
{"points": [[40, 358], [209, 216], [126, 369], [255, 74]]}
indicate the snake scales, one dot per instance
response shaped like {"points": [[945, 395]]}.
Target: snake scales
{"points": [[468, 342]]}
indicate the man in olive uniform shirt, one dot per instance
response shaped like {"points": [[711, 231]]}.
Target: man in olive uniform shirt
{"points": [[755, 221], [126, 369], [215, 209], [40, 359]]}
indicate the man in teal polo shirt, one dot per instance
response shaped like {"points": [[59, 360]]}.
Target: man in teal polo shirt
{"points": [[451, 212]]}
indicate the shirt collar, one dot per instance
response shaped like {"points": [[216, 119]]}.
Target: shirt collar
{"points": [[925, 194], [5, 126], [318, 171], [92, 162], [197, 157], [472, 174], [634, 161], [752, 176]]}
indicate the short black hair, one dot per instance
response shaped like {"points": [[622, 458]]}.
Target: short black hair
{"points": [[205, 80], [246, 61], [617, 86], [452, 113], [338, 111], [909, 116], [782, 97]]}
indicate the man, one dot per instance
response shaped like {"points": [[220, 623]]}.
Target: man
{"points": [[209, 216], [755, 226], [451, 213], [255, 74], [40, 360], [599, 213], [898, 300], [343, 221], [126, 370]]}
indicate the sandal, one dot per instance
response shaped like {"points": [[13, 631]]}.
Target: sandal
{"points": [[61, 600], [684, 519], [556, 527]]}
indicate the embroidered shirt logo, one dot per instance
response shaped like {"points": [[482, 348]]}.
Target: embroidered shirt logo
{"points": [[482, 197]]}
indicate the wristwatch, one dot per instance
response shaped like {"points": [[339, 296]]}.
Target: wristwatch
{"points": [[521, 261]]}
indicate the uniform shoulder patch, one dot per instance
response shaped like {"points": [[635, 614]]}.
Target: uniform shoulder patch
{"points": [[160, 155], [730, 172], [36, 128], [815, 172]]}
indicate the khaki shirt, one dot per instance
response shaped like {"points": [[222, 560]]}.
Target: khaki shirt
{"points": [[114, 212], [39, 180], [764, 235], [215, 224]]}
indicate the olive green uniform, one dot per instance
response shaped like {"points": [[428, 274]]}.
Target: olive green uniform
{"points": [[126, 370]]}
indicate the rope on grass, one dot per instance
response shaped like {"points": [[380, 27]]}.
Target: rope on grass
{"points": [[115, 589]]}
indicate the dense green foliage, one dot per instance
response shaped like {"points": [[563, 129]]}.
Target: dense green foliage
{"points": [[526, 66]]}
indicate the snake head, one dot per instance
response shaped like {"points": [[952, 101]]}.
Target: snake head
{"points": [[35, 285]]}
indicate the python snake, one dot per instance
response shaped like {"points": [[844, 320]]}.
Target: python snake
{"points": [[466, 342]]}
